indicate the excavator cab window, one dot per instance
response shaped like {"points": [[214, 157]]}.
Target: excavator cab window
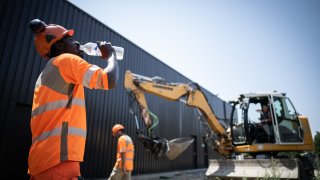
{"points": [[238, 123], [287, 119], [254, 122]]}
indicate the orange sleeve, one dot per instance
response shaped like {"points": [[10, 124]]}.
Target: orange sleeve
{"points": [[78, 71]]}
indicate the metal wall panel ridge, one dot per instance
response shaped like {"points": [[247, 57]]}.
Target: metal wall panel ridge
{"points": [[20, 66]]}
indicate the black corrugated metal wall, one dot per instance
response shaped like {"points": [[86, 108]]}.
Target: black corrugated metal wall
{"points": [[20, 66]]}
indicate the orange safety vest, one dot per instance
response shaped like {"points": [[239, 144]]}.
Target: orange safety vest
{"points": [[125, 145], [58, 119]]}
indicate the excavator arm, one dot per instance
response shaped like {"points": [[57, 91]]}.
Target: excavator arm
{"points": [[190, 94]]}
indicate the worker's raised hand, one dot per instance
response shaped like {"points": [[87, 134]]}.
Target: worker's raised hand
{"points": [[106, 49]]}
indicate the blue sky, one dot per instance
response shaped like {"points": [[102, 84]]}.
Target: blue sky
{"points": [[228, 47]]}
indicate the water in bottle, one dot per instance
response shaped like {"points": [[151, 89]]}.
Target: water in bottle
{"points": [[119, 52], [92, 49]]}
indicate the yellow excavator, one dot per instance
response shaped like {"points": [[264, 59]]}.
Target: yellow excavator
{"points": [[261, 127]]}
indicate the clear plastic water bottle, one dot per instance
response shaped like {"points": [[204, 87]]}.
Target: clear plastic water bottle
{"points": [[92, 49]]}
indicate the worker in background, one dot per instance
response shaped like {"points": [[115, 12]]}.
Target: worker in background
{"points": [[125, 154], [58, 120]]}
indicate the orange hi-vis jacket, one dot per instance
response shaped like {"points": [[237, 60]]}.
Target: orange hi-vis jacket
{"points": [[58, 119], [125, 145]]}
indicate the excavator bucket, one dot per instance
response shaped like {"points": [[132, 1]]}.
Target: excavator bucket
{"points": [[253, 168], [162, 148], [177, 146]]}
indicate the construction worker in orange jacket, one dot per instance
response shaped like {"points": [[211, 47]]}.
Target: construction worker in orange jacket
{"points": [[125, 155], [58, 119]]}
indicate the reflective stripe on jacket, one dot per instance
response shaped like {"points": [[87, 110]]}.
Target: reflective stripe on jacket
{"points": [[125, 145], [58, 118]]}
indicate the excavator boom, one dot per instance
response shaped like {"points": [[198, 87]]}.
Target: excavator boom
{"points": [[190, 94]]}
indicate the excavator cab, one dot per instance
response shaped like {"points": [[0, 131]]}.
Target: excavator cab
{"points": [[263, 125], [266, 118]]}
